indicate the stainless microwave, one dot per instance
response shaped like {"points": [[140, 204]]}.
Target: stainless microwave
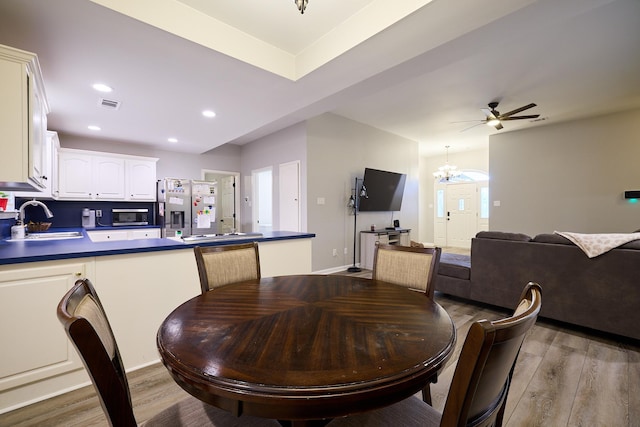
{"points": [[129, 217]]}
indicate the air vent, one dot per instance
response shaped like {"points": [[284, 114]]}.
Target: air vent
{"points": [[541, 119], [109, 103]]}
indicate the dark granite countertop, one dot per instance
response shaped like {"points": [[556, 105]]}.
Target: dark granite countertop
{"points": [[32, 251]]}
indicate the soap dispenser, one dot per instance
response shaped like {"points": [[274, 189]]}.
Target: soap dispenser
{"points": [[17, 231]]}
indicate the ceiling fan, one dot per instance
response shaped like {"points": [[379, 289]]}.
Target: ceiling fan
{"points": [[495, 119]]}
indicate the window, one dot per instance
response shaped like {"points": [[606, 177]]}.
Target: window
{"points": [[484, 202], [440, 203]]}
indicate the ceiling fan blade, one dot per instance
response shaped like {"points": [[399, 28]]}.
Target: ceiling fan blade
{"points": [[517, 110], [470, 127], [468, 121], [533, 116]]}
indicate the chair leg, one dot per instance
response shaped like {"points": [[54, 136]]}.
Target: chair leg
{"points": [[426, 394]]}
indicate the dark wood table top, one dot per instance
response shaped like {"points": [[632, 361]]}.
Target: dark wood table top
{"points": [[306, 347]]}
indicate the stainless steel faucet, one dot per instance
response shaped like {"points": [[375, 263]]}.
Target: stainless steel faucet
{"points": [[34, 202]]}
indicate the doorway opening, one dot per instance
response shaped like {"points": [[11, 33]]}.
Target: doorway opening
{"points": [[262, 208]]}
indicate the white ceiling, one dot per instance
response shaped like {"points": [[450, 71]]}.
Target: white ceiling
{"points": [[410, 68]]}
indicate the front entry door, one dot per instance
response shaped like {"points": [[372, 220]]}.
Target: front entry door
{"points": [[461, 214]]}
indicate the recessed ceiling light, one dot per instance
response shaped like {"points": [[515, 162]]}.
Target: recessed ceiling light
{"points": [[93, 127], [208, 113], [101, 87], [173, 140]]}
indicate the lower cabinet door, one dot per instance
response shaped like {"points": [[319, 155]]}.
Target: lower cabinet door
{"points": [[34, 343]]}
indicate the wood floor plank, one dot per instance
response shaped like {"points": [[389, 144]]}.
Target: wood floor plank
{"points": [[634, 386], [604, 384], [550, 394]]}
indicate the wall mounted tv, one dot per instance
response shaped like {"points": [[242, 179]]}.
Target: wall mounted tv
{"points": [[384, 191]]}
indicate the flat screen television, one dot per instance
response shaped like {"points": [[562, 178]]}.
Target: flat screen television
{"points": [[384, 191]]}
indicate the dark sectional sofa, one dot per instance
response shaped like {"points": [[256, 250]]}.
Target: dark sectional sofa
{"points": [[601, 293]]}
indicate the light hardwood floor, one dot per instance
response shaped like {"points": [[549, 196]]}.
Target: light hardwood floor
{"points": [[564, 377]]}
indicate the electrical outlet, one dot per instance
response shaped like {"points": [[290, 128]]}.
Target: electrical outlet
{"points": [[335, 252], [98, 213]]}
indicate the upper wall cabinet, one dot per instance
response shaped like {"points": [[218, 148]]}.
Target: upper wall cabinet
{"points": [[90, 175], [49, 170], [23, 121]]}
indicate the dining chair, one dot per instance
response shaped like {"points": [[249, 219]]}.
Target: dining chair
{"points": [[83, 317], [414, 267], [221, 265], [478, 392], [411, 267]]}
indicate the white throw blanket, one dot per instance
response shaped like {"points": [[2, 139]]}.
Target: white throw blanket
{"points": [[597, 244]]}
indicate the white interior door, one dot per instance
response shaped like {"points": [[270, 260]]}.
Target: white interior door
{"points": [[227, 217], [289, 186], [440, 215], [461, 214]]}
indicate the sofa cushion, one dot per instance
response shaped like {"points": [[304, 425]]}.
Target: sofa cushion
{"points": [[455, 265], [552, 238], [502, 235], [631, 245]]}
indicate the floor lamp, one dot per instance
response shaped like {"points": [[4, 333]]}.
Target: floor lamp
{"points": [[354, 202]]}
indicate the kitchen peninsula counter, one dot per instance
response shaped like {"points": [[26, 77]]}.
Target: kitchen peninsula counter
{"points": [[139, 282], [32, 251]]}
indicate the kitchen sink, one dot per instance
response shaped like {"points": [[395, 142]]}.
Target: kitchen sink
{"points": [[56, 235], [218, 237]]}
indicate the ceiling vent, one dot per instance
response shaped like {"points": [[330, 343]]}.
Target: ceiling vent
{"points": [[109, 104]]}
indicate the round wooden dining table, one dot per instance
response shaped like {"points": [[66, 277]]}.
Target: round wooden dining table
{"points": [[306, 347]]}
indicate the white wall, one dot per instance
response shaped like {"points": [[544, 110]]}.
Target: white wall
{"points": [[339, 149], [567, 177]]}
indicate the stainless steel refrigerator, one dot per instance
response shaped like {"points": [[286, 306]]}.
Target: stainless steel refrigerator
{"points": [[186, 207], [174, 207]]}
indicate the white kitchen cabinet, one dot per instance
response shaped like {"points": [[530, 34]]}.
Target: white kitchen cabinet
{"points": [[91, 175], [108, 235], [75, 176], [369, 240], [35, 346], [144, 233], [140, 179], [129, 234], [49, 170], [108, 178], [23, 121]]}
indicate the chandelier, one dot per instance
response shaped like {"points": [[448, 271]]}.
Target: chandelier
{"points": [[302, 5], [446, 172]]}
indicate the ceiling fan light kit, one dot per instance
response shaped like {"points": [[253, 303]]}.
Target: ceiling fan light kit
{"points": [[302, 5]]}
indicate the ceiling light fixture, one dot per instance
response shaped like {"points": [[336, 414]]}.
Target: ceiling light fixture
{"points": [[446, 172], [302, 5], [208, 113], [172, 140], [101, 87], [93, 127], [493, 122]]}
